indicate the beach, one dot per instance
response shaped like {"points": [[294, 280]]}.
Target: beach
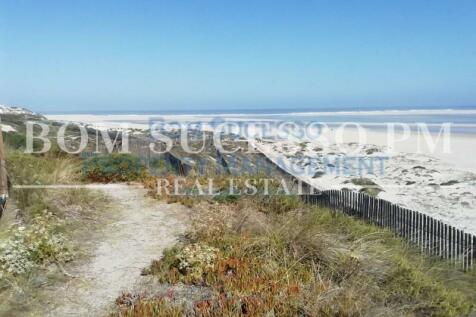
{"points": [[415, 170]]}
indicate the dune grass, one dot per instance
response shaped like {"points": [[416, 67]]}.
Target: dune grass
{"points": [[25, 169], [263, 256]]}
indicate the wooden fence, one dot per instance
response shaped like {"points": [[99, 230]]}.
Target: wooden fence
{"points": [[430, 235]]}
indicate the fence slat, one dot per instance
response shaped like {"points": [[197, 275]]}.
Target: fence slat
{"points": [[395, 220], [471, 255], [461, 247], [417, 228], [420, 232], [453, 244], [450, 242], [391, 212], [440, 239], [426, 228], [432, 235], [405, 223], [465, 254]]}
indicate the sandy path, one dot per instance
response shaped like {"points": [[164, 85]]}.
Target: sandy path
{"points": [[140, 230]]}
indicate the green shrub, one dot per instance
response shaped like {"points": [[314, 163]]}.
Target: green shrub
{"points": [[113, 168]]}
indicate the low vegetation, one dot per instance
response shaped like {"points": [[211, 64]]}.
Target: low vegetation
{"points": [[262, 256], [113, 168], [39, 230], [35, 244], [255, 255]]}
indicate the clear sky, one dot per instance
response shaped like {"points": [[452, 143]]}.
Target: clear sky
{"points": [[230, 54]]}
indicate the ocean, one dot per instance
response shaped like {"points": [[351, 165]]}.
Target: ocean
{"points": [[461, 119]]}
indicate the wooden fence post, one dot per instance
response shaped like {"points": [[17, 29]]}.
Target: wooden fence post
{"points": [[3, 176], [473, 251]]}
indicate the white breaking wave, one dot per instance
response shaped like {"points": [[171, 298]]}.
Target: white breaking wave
{"points": [[410, 112], [394, 112]]}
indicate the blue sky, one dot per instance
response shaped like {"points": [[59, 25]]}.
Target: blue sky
{"points": [[181, 55]]}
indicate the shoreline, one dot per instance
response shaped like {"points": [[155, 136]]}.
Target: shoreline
{"points": [[458, 157]]}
